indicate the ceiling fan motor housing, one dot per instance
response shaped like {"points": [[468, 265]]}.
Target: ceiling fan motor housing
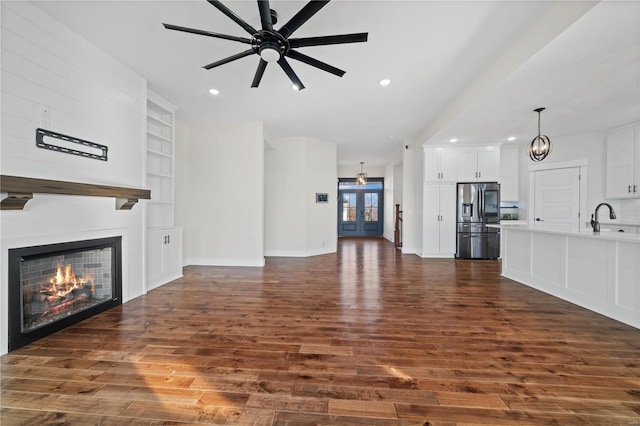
{"points": [[275, 45]]}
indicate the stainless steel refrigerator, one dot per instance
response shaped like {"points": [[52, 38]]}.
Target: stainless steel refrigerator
{"points": [[478, 206]]}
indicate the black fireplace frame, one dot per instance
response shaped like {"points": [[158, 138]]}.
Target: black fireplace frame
{"points": [[18, 338]]}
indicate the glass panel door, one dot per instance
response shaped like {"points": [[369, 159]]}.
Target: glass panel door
{"points": [[359, 210]]}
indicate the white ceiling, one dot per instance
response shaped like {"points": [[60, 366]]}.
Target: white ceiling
{"points": [[474, 70]]}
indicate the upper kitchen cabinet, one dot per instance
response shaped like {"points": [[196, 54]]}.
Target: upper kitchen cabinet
{"points": [[479, 164], [509, 170], [440, 165], [623, 163]]}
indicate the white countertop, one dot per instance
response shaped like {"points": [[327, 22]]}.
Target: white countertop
{"points": [[586, 233]]}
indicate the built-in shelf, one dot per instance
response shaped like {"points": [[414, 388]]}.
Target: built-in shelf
{"points": [[159, 121], [164, 175], [159, 136], [159, 153], [19, 190]]}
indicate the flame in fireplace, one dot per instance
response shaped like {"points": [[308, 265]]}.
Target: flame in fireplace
{"points": [[65, 281]]}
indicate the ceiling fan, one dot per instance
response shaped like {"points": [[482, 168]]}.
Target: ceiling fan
{"points": [[275, 45]]}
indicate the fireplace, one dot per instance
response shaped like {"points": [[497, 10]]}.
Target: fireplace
{"points": [[54, 286]]}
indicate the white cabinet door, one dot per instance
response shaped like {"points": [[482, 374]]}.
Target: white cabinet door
{"points": [[431, 165], [173, 253], [467, 165], [440, 165], [636, 173], [479, 164], [155, 255], [448, 165], [448, 218], [439, 219], [621, 155], [488, 165], [164, 255], [431, 218]]}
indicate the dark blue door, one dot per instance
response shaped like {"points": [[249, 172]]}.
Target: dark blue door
{"points": [[360, 209]]}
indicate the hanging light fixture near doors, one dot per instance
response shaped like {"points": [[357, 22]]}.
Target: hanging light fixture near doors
{"points": [[361, 179], [540, 146]]}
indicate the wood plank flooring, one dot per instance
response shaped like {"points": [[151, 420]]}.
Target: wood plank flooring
{"points": [[367, 336]]}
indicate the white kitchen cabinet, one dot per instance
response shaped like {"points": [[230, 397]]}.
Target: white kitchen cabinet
{"points": [[479, 164], [623, 163], [164, 255], [439, 220], [509, 170], [440, 165]]}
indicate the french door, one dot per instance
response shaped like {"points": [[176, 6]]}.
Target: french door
{"points": [[360, 208]]}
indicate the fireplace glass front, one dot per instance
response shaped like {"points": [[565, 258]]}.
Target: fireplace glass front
{"points": [[54, 286]]}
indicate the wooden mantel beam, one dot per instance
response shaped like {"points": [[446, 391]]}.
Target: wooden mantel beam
{"points": [[19, 190]]}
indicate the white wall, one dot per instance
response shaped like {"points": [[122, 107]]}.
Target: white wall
{"points": [[351, 171], [90, 96], [223, 217], [183, 196], [392, 195], [295, 170], [412, 177]]}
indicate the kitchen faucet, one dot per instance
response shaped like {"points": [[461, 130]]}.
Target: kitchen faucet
{"points": [[594, 217]]}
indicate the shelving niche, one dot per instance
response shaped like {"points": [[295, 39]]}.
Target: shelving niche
{"points": [[164, 239]]}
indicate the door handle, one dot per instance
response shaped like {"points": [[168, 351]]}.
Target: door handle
{"points": [[629, 189], [539, 220], [635, 188]]}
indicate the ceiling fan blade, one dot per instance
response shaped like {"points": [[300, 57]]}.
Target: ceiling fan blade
{"points": [[206, 33], [229, 59], [302, 16], [325, 40], [259, 72], [238, 20], [265, 15], [315, 63], [289, 71]]}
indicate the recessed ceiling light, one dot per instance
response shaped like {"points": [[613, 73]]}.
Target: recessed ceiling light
{"points": [[453, 140], [214, 92], [385, 82], [511, 138]]}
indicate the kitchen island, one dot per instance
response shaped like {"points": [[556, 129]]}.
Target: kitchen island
{"points": [[598, 271]]}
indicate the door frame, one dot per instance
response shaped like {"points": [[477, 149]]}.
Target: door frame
{"points": [[581, 163], [360, 194]]}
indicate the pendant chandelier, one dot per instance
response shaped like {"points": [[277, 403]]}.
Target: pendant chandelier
{"points": [[361, 178], [540, 146]]}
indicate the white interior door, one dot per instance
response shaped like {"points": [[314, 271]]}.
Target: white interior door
{"points": [[557, 198]]}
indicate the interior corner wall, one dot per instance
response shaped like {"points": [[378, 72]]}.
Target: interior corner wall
{"points": [[389, 207], [182, 189], [91, 96], [295, 170], [412, 178], [223, 218]]}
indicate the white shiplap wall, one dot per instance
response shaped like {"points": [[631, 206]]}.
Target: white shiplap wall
{"points": [[91, 96]]}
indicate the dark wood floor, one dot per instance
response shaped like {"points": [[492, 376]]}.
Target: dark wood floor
{"points": [[368, 337]]}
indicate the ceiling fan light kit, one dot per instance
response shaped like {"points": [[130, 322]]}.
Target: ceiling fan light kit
{"points": [[276, 45], [540, 146]]}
